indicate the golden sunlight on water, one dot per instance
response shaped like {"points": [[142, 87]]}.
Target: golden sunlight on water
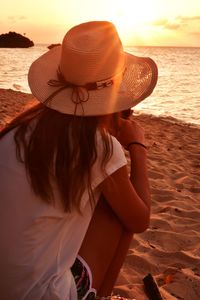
{"points": [[176, 94]]}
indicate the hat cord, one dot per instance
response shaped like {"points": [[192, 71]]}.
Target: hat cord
{"points": [[79, 94]]}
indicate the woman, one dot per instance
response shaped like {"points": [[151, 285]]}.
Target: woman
{"points": [[59, 238]]}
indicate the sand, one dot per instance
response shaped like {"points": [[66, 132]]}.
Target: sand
{"points": [[170, 248]]}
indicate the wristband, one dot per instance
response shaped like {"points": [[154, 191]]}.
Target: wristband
{"points": [[135, 143]]}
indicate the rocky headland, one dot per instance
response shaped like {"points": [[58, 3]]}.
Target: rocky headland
{"points": [[14, 40]]}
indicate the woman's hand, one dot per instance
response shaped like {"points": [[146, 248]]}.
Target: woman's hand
{"points": [[130, 131]]}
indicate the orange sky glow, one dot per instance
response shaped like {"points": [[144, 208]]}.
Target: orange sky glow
{"points": [[144, 22]]}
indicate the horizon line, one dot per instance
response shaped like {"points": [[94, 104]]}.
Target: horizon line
{"points": [[141, 46]]}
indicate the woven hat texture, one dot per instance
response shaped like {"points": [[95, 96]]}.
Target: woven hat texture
{"points": [[91, 74]]}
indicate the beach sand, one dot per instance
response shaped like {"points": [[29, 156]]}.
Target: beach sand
{"points": [[170, 248]]}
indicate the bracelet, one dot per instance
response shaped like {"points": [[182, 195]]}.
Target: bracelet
{"points": [[135, 143]]}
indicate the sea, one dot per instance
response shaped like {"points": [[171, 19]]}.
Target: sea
{"points": [[177, 94]]}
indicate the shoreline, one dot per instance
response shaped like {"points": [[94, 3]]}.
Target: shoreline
{"points": [[26, 99], [168, 119], [169, 248]]}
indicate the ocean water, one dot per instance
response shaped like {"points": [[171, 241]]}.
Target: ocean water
{"points": [[177, 93]]}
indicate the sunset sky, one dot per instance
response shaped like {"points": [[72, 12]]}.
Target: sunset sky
{"points": [[141, 22]]}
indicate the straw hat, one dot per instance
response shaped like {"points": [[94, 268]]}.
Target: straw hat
{"points": [[90, 74]]}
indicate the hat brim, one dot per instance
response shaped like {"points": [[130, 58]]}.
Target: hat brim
{"points": [[138, 83]]}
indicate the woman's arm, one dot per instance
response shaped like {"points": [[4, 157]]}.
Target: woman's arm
{"points": [[124, 209], [130, 197]]}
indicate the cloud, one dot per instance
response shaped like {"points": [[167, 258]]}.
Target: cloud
{"points": [[167, 24], [22, 18], [195, 34], [15, 19], [178, 23], [11, 17], [184, 18], [172, 26], [160, 22]]}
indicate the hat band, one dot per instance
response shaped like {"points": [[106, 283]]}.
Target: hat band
{"points": [[80, 93]]}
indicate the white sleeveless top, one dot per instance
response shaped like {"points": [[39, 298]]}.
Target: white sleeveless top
{"points": [[39, 242]]}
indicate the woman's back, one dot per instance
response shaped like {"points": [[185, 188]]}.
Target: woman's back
{"points": [[35, 257]]}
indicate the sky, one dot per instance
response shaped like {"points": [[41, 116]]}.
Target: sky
{"points": [[141, 22]]}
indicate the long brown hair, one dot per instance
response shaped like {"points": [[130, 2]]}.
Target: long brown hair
{"points": [[62, 147]]}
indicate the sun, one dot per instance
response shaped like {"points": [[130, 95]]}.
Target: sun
{"points": [[134, 18], [131, 12]]}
